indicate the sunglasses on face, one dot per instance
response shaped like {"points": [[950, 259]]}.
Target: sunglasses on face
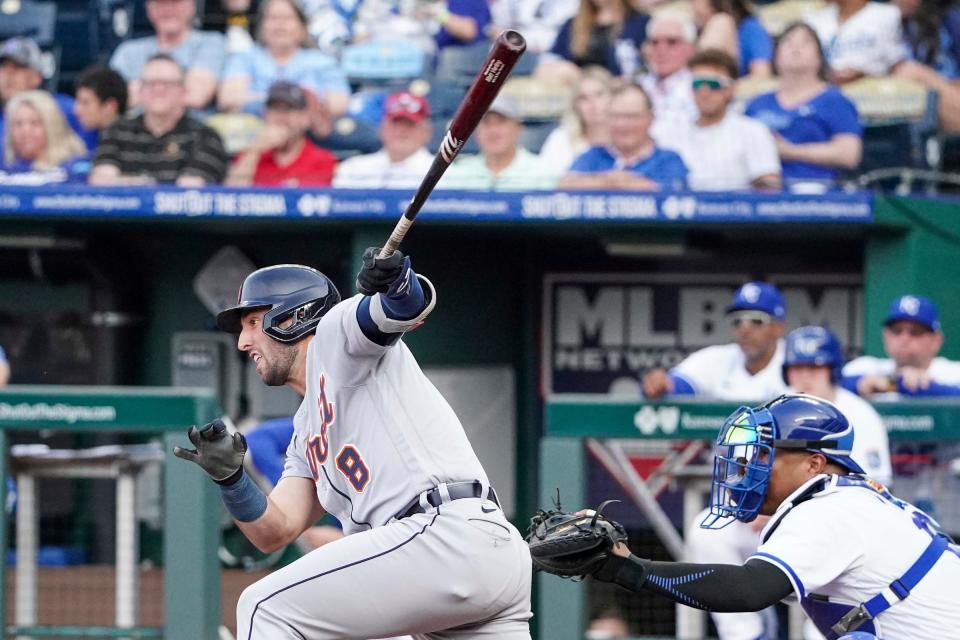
{"points": [[752, 318], [714, 83]]}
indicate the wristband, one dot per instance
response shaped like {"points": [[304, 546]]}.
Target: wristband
{"points": [[243, 499]]}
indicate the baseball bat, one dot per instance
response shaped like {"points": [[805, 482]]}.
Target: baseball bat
{"points": [[506, 50]]}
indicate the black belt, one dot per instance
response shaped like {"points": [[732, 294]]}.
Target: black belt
{"points": [[456, 490]]}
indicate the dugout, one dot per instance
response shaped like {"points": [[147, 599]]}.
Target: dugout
{"points": [[98, 295]]}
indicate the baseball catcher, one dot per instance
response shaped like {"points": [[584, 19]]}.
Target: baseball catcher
{"points": [[856, 557]]}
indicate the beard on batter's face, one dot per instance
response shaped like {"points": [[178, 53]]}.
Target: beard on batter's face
{"points": [[276, 365]]}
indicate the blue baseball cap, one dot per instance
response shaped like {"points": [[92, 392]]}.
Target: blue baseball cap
{"points": [[915, 308], [759, 296]]}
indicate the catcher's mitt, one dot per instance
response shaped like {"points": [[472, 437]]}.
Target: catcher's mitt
{"points": [[572, 545]]}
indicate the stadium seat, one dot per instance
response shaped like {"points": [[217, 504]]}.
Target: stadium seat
{"points": [[461, 64], [777, 16], [35, 20], [351, 137], [535, 134], [382, 61], [237, 130], [537, 100], [444, 97]]}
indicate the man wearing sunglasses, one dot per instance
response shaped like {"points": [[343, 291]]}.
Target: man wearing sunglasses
{"points": [[912, 338], [857, 558], [724, 151], [747, 368]]}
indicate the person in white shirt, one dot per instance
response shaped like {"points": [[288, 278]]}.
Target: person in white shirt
{"points": [[912, 338], [724, 151], [748, 368], [502, 164], [812, 364], [666, 51], [404, 159], [859, 38], [856, 557]]}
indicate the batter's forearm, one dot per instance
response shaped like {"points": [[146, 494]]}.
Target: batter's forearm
{"points": [[712, 587]]}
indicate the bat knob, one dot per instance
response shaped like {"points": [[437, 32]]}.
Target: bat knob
{"points": [[513, 39]]}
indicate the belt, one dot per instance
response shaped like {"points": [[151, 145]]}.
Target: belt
{"points": [[455, 491]]}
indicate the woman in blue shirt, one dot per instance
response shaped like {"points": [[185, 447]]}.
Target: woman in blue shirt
{"points": [[817, 128], [931, 31], [730, 26], [281, 54], [603, 33], [39, 145]]}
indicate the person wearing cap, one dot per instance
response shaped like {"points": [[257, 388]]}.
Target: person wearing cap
{"points": [[163, 145], [856, 557], [749, 368], [404, 158], [201, 53], [502, 164], [21, 69], [632, 161], [912, 338], [282, 155]]}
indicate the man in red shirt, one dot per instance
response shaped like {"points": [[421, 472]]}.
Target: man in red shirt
{"points": [[281, 155]]}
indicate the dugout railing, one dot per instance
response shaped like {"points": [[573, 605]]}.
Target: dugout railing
{"points": [[586, 429], [191, 508]]}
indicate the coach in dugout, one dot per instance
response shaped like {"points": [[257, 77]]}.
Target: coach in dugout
{"points": [[912, 338], [164, 145], [748, 368]]}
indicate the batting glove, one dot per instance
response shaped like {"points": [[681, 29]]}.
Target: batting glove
{"points": [[377, 274], [217, 452]]}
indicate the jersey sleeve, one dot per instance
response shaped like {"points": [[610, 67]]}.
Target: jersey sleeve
{"points": [[866, 366], [697, 369], [295, 462], [812, 545]]}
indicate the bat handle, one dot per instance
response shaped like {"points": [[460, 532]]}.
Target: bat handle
{"points": [[396, 237]]}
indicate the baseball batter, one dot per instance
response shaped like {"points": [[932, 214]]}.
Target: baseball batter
{"points": [[428, 552], [856, 557]]}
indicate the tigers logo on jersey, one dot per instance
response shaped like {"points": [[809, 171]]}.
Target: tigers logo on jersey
{"points": [[318, 444]]}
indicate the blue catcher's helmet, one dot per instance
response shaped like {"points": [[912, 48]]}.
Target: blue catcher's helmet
{"points": [[816, 346], [858, 635], [747, 445], [289, 291]]}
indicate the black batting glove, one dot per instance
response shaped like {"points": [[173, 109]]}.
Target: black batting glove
{"points": [[217, 452], [377, 274]]}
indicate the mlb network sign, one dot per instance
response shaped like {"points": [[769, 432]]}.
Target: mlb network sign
{"points": [[602, 332]]}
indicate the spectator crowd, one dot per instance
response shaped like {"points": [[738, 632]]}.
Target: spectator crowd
{"points": [[684, 94]]}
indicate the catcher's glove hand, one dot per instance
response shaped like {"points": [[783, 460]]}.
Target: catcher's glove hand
{"points": [[572, 545]]}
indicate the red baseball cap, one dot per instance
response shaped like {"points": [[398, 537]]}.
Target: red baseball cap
{"points": [[404, 104]]}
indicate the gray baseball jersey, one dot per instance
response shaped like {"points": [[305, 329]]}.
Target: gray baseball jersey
{"points": [[374, 434]]}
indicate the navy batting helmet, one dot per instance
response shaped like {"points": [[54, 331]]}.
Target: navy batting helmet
{"points": [[289, 291], [747, 445], [816, 346]]}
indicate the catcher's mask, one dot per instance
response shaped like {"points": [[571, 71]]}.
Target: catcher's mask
{"points": [[747, 444]]}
